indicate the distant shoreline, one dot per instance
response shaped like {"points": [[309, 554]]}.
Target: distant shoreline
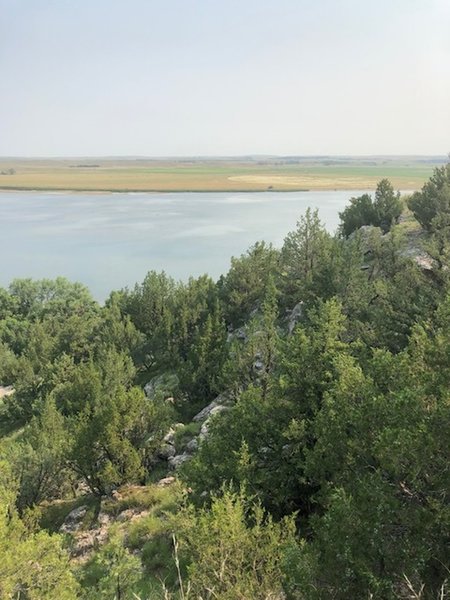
{"points": [[189, 191], [209, 176], [168, 191]]}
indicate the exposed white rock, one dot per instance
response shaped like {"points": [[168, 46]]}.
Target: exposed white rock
{"points": [[218, 409], [132, 514], [166, 481], [204, 431], [176, 461], [205, 412], [294, 316], [165, 385], [74, 520], [192, 446], [166, 451], [238, 334], [6, 390], [169, 438]]}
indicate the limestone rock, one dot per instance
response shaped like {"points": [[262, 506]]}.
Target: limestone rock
{"points": [[258, 365], [192, 446], [204, 431], [166, 451], [6, 390], [294, 316], [205, 412], [238, 334], [164, 385], [169, 438], [218, 409], [132, 514], [176, 461], [74, 520], [166, 481]]}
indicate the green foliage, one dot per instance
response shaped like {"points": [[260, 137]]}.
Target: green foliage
{"points": [[360, 212], [201, 371], [387, 205], [433, 199], [235, 550], [115, 437], [304, 261], [112, 573], [150, 307], [242, 289], [245, 446], [33, 566], [381, 212], [8, 365], [39, 458], [184, 434]]}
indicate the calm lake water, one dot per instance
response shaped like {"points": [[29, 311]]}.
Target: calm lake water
{"points": [[109, 241]]}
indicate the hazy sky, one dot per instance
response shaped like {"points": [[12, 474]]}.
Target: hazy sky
{"points": [[229, 77]]}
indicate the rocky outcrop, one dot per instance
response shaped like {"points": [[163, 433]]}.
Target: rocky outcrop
{"points": [[166, 481], [176, 455], [169, 438], [238, 334], [176, 461], [205, 412], [6, 390], [164, 386], [166, 451], [415, 251], [294, 316], [221, 401], [87, 540], [192, 446], [74, 520]]}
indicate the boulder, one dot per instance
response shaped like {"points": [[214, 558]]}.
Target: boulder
{"points": [[204, 431], [103, 519], [132, 514], [205, 412], [176, 461], [6, 390], [192, 446], [218, 409], [238, 334], [169, 438], [166, 481], [74, 520], [164, 385], [166, 451], [364, 234], [294, 316], [85, 542], [415, 252]]}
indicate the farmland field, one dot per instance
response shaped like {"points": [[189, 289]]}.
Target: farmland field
{"points": [[197, 175]]}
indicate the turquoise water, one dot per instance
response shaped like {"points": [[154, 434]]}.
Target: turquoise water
{"points": [[109, 241]]}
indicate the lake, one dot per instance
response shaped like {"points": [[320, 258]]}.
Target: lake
{"points": [[109, 241]]}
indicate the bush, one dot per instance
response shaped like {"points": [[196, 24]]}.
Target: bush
{"points": [[235, 550]]}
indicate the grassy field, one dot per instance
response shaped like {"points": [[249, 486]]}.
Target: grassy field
{"points": [[202, 175]]}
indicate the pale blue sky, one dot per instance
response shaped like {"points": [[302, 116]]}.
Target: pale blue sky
{"points": [[203, 77]]}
